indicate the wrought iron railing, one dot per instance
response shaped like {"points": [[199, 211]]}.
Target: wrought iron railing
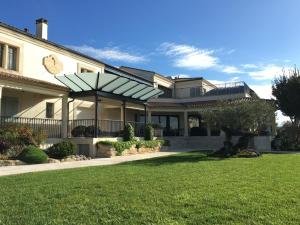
{"points": [[76, 128], [229, 88], [52, 127], [103, 128]]}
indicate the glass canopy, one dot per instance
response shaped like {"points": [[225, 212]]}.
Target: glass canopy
{"points": [[107, 83]]}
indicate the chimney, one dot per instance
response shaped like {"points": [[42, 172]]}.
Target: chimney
{"points": [[42, 28]]}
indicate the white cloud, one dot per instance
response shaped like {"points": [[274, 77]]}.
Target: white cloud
{"points": [[266, 72], [249, 66], [114, 54], [190, 57], [263, 90], [231, 69]]}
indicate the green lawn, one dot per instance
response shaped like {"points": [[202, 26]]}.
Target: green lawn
{"points": [[188, 188]]}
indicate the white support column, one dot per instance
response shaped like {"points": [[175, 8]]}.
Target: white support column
{"points": [[121, 114], [64, 116], [185, 123], [0, 99], [149, 117]]}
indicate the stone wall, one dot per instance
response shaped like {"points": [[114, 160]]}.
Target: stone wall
{"points": [[109, 151]]}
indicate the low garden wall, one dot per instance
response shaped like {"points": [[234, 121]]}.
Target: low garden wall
{"points": [[213, 143], [112, 149]]}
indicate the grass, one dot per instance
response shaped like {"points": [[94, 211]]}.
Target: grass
{"points": [[188, 188]]}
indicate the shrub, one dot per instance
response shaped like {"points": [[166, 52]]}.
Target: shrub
{"points": [[39, 136], [62, 150], [13, 139], [78, 131], [151, 144], [149, 132], [34, 155], [90, 131], [128, 134], [120, 146]]}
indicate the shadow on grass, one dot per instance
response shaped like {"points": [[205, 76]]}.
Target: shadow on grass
{"points": [[188, 157]]}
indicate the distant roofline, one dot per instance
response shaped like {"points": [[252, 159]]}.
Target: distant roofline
{"points": [[187, 79], [134, 68], [7, 26], [149, 71]]}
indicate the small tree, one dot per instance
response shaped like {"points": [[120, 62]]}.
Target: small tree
{"points": [[286, 90], [128, 133], [149, 132], [246, 116]]}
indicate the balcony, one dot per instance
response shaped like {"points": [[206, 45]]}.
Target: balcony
{"points": [[224, 91]]}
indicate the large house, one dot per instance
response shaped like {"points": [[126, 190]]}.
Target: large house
{"points": [[68, 94]]}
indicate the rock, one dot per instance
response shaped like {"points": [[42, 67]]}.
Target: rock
{"points": [[50, 160], [8, 162]]}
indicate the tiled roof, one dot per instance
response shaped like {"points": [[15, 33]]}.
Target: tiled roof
{"points": [[31, 81]]}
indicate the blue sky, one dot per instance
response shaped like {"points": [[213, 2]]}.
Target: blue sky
{"points": [[227, 40]]}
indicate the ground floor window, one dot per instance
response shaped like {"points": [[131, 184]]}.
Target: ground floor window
{"points": [[169, 124], [9, 106], [49, 110]]}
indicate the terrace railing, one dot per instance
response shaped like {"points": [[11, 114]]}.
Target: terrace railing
{"points": [[76, 128], [52, 127], [103, 128]]}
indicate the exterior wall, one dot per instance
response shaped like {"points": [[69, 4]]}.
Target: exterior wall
{"points": [[199, 99], [207, 85], [32, 52], [163, 81], [182, 89], [33, 105]]}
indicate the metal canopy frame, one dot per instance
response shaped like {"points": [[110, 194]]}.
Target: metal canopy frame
{"points": [[110, 85]]}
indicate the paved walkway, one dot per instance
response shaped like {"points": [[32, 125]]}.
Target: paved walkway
{"points": [[11, 170]]}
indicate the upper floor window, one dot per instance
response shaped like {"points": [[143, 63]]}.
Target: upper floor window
{"points": [[8, 57], [195, 91], [1, 54], [12, 58]]}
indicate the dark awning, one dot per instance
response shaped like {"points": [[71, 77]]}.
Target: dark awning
{"points": [[109, 85]]}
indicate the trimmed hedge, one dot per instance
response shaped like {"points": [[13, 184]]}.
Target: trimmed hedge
{"points": [[149, 132], [128, 133], [62, 150], [120, 146], [33, 155]]}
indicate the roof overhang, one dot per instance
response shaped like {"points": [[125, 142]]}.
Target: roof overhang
{"points": [[116, 86]]}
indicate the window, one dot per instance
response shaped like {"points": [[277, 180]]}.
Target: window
{"points": [[9, 106], [49, 110], [12, 58], [1, 54], [84, 70], [195, 91]]}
